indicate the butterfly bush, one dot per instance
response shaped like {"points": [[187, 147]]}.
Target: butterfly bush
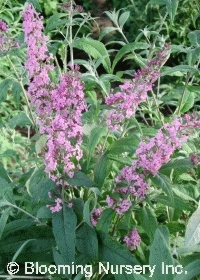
{"points": [[66, 127], [133, 92], [58, 106], [156, 151], [151, 154]]}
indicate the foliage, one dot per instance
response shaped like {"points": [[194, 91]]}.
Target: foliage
{"points": [[100, 164]]}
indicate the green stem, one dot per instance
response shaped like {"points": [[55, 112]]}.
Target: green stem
{"points": [[197, 66], [25, 212], [156, 37], [183, 94], [8, 76], [124, 129], [104, 143], [120, 30], [23, 90], [57, 64], [82, 23], [101, 152], [157, 107], [71, 36]]}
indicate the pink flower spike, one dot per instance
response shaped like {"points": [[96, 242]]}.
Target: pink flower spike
{"points": [[58, 107], [132, 93]]}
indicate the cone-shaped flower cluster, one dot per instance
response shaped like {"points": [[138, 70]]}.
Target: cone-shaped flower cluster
{"points": [[132, 93], [58, 107]]}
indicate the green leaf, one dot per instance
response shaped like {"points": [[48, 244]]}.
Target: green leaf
{"points": [[164, 183], [148, 222], [96, 49], [39, 191], [11, 242], [81, 179], [126, 144], [86, 212], [105, 220], [55, 21], [101, 170], [16, 91], [115, 253], [178, 203], [3, 220], [82, 259], [4, 87], [19, 120], [139, 277], [178, 166], [186, 177], [59, 260], [180, 192], [64, 226], [37, 175], [121, 159], [40, 143], [192, 234], [181, 68], [21, 249], [36, 5], [160, 254], [106, 31], [171, 6], [188, 250], [123, 18], [175, 227], [127, 49], [79, 276], [3, 173], [6, 191], [44, 213], [96, 134], [17, 225], [110, 77], [9, 153], [190, 271], [165, 232], [87, 241], [188, 102], [193, 56], [156, 2], [194, 38]]}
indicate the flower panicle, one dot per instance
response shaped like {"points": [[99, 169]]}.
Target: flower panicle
{"points": [[132, 93], [59, 106], [151, 154]]}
